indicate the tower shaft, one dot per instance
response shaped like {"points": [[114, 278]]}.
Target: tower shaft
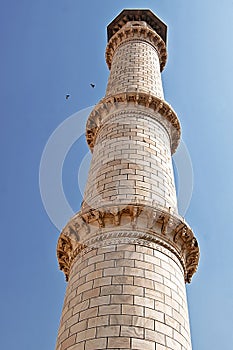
{"points": [[135, 66], [127, 254]]}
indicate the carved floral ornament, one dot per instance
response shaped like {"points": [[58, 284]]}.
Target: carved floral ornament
{"points": [[136, 31], [156, 106], [151, 225], [66, 254]]}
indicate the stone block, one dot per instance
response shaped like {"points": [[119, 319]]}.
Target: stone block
{"points": [[122, 299], [122, 280], [139, 344], [143, 322], [132, 310], [89, 313], [116, 343], [101, 300], [133, 290], [104, 281], [111, 289], [78, 327], [91, 294], [68, 342], [98, 321], [95, 344], [108, 331], [121, 320], [85, 335], [155, 336], [132, 332], [109, 310]]}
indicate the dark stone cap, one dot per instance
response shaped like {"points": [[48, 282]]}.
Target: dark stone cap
{"points": [[137, 15]]}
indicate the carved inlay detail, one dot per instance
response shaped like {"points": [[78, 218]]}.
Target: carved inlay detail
{"points": [[136, 32], [109, 105], [149, 224]]}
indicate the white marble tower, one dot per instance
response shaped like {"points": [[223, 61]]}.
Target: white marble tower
{"points": [[127, 253]]}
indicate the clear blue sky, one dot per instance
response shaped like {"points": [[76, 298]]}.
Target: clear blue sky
{"points": [[53, 47]]}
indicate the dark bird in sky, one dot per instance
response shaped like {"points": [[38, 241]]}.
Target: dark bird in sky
{"points": [[92, 85], [67, 96]]}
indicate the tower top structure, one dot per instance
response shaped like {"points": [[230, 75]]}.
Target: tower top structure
{"points": [[144, 15], [131, 25]]}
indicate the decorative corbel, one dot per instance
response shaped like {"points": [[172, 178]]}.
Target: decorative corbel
{"points": [[134, 213], [73, 232], [64, 254], [84, 223], [179, 231], [136, 99], [159, 106], [100, 218], [151, 219], [148, 101], [164, 219], [115, 211]]}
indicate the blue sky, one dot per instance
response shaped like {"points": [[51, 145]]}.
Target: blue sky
{"points": [[50, 48]]}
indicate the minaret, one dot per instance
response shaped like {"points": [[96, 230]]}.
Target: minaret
{"points": [[127, 253]]}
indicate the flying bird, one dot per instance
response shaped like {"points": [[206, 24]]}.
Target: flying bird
{"points": [[67, 96], [92, 85]]}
